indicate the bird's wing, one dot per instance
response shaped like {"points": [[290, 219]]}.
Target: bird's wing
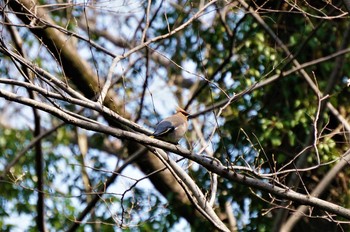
{"points": [[163, 128]]}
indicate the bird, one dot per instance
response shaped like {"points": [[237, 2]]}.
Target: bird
{"points": [[173, 128]]}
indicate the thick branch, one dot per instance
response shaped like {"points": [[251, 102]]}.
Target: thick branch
{"points": [[78, 71], [209, 164], [322, 185]]}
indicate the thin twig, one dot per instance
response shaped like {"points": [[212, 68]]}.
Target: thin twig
{"points": [[102, 190], [215, 167], [118, 58]]}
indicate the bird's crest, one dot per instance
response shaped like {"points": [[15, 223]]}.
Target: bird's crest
{"points": [[184, 112]]}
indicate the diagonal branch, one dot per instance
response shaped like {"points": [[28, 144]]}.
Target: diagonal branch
{"points": [[212, 165], [192, 190], [301, 161], [77, 70], [320, 188]]}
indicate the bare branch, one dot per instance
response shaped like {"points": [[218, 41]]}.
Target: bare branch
{"points": [[316, 192], [111, 180], [215, 167]]}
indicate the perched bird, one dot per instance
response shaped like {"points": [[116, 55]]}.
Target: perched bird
{"points": [[173, 128]]}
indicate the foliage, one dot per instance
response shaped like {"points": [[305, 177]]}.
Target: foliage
{"points": [[206, 63]]}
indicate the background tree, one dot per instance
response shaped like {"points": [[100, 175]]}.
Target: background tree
{"points": [[84, 82]]}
